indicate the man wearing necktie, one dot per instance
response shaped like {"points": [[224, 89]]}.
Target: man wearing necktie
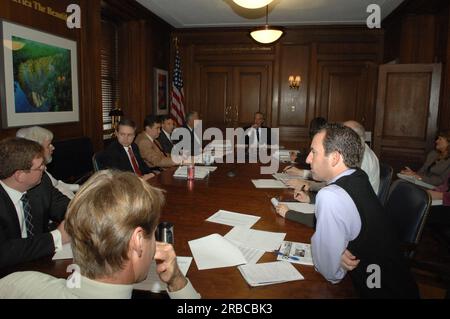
{"points": [[165, 137], [28, 201], [257, 134], [124, 155], [151, 151]]}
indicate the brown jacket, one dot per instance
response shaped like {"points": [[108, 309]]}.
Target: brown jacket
{"points": [[150, 152]]}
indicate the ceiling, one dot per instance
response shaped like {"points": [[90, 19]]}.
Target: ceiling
{"points": [[225, 13]]}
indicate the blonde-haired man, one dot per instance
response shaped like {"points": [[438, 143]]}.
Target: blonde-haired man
{"points": [[112, 221]]}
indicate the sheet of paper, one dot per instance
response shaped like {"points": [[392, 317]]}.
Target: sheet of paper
{"points": [[436, 202], [251, 255], [297, 206], [257, 239], [233, 219], [268, 183], [214, 251], [153, 283], [284, 176], [297, 253], [200, 172], [269, 273], [414, 180], [64, 253]]}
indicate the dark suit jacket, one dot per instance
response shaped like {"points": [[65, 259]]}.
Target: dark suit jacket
{"points": [[115, 157], [165, 143], [47, 203], [265, 135], [196, 146]]}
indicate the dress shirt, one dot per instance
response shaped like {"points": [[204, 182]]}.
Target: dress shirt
{"points": [[167, 135], [67, 189], [371, 166], [338, 223], [15, 197], [31, 284]]}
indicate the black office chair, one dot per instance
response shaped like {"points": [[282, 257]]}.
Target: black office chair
{"points": [[97, 161], [386, 173], [408, 206]]}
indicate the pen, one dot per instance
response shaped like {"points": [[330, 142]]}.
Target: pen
{"points": [[288, 168], [286, 256]]}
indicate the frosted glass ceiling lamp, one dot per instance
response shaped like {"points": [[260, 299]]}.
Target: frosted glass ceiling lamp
{"points": [[266, 34], [252, 4]]}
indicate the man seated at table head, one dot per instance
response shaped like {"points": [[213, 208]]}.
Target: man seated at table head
{"points": [[350, 217], [165, 137], [370, 163], [149, 147], [28, 201], [257, 133], [123, 154], [193, 134], [45, 138], [112, 222]]}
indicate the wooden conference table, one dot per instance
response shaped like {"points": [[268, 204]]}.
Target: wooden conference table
{"points": [[190, 203]]}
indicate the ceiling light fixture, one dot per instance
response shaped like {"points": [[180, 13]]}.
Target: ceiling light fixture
{"points": [[252, 4], [266, 34]]}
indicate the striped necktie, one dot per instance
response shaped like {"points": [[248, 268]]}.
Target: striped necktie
{"points": [[27, 215]]}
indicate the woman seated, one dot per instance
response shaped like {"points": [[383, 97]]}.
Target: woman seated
{"points": [[437, 165]]}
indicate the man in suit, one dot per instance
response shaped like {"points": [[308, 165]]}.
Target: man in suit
{"points": [[149, 147], [123, 154], [192, 127], [28, 201], [257, 134], [165, 137]]}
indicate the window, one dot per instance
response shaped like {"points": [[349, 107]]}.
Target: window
{"points": [[109, 71]]}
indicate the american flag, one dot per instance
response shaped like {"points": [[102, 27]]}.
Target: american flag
{"points": [[177, 107]]}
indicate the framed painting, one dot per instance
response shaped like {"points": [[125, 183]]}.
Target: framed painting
{"points": [[39, 77], [161, 92]]}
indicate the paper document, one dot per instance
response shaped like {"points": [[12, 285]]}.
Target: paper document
{"points": [[153, 283], [258, 239], [284, 176], [64, 253], [297, 206], [297, 253], [200, 172], [414, 180], [268, 183], [214, 251], [251, 255], [436, 202], [233, 219], [269, 273]]}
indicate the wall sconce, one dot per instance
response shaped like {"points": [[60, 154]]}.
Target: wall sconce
{"points": [[294, 81]]}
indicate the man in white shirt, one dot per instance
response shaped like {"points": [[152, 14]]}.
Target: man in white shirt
{"points": [[28, 201], [112, 221]]}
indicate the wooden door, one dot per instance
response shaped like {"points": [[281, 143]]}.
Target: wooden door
{"points": [[406, 113]]}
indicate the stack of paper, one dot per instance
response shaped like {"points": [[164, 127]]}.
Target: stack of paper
{"points": [[257, 239], [233, 219], [214, 251], [297, 253], [153, 283], [297, 206], [200, 172], [414, 180], [268, 183], [269, 273]]}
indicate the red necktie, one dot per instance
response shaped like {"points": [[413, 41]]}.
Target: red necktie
{"points": [[134, 162]]}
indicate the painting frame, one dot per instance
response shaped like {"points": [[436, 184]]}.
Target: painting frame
{"points": [[39, 83], [161, 91]]}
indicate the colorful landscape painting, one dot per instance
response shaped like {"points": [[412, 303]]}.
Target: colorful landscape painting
{"points": [[42, 77]]}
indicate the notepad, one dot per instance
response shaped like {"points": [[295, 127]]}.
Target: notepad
{"points": [[268, 183], [233, 219], [269, 273], [64, 253], [214, 251], [297, 206], [297, 253], [414, 180], [153, 283], [257, 239]]}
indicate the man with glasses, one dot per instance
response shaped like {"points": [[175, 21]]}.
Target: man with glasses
{"points": [[28, 201]]}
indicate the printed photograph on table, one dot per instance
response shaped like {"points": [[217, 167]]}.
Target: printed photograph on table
{"points": [[39, 77], [161, 92]]}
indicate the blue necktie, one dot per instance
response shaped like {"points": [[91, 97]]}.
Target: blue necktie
{"points": [[27, 215]]}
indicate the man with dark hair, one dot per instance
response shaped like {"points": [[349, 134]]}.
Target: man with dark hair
{"points": [[165, 137], [350, 216], [151, 151], [28, 201], [123, 154]]}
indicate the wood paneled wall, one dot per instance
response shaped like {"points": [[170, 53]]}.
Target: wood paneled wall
{"points": [[144, 44], [337, 66]]}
